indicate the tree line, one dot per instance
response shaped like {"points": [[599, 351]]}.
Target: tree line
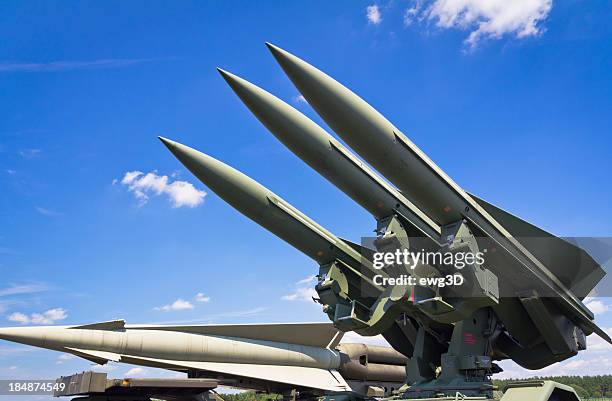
{"points": [[585, 386]]}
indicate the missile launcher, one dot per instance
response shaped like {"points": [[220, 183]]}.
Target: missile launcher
{"points": [[519, 298], [517, 304]]}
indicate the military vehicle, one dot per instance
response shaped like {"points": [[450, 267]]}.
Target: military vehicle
{"points": [[522, 301]]}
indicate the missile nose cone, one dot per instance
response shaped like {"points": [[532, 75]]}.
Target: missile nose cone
{"points": [[277, 51], [294, 129], [240, 86], [24, 335], [338, 106], [284, 121], [190, 158], [166, 141], [292, 65], [224, 73], [234, 187], [186, 155]]}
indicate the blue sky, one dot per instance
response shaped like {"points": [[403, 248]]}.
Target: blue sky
{"points": [[512, 101]]}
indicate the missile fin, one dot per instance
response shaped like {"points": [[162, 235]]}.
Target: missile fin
{"points": [[99, 357], [336, 340], [109, 325], [315, 378], [570, 263]]}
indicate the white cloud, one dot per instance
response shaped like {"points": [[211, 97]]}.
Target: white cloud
{"points": [[135, 372], [352, 337], [67, 65], [107, 367], [28, 153], [23, 289], [179, 304], [54, 314], [490, 18], [129, 177], [301, 294], [373, 14], [304, 290], [180, 193], [596, 306], [200, 297], [65, 357], [411, 12], [299, 99], [47, 212], [47, 317], [307, 280], [19, 317]]}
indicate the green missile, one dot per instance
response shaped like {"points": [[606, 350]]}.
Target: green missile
{"points": [[329, 157], [266, 208]]}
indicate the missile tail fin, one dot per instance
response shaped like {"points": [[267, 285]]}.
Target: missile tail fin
{"points": [[99, 357], [109, 325], [576, 269]]}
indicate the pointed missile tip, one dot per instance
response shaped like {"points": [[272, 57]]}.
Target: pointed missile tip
{"points": [[170, 144], [182, 152], [283, 57], [165, 141], [275, 50], [223, 72], [234, 81], [228, 76]]}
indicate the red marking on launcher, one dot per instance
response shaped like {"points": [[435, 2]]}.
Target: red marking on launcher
{"points": [[469, 338]]}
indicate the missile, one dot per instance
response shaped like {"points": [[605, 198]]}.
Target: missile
{"points": [[305, 355], [261, 205], [388, 150], [329, 157], [171, 345], [276, 215]]}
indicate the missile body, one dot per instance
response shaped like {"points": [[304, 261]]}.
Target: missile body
{"points": [[172, 345], [264, 207], [282, 219], [329, 157], [299, 354]]}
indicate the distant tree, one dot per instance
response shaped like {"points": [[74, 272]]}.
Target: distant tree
{"points": [[582, 393], [250, 396]]}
